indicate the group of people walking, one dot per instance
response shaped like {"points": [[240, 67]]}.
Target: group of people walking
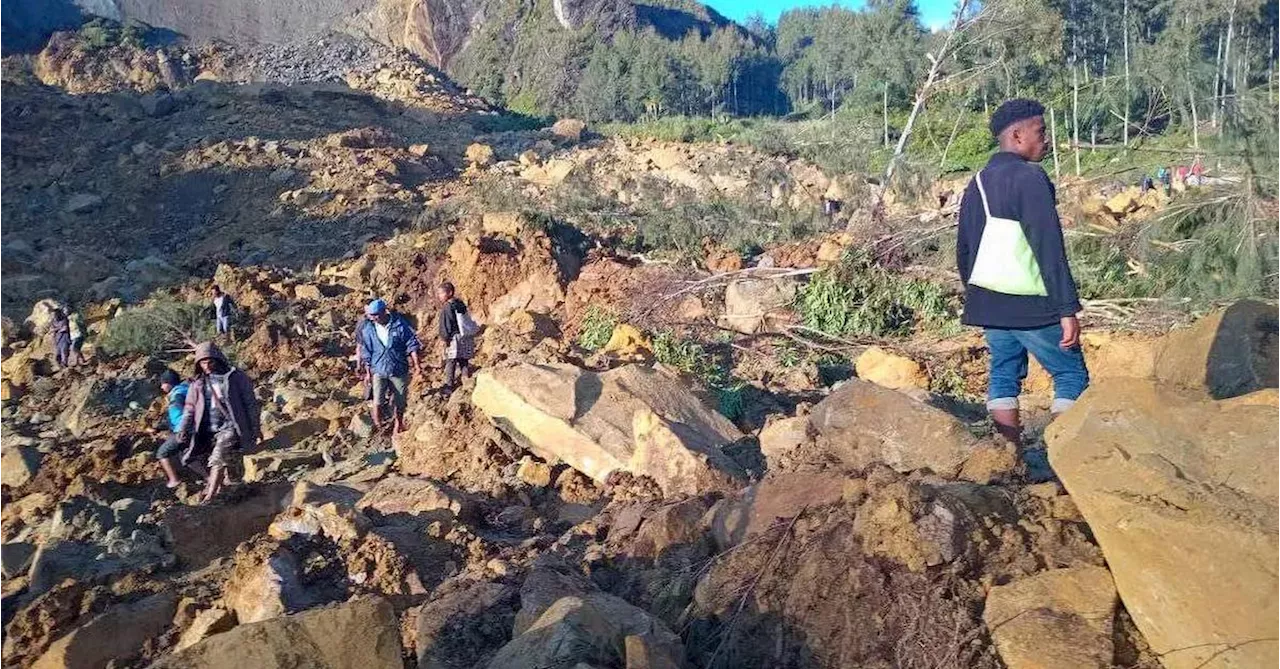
{"points": [[214, 413], [1010, 253]]}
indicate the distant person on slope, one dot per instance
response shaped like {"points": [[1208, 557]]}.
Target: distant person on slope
{"points": [[457, 331], [220, 415], [223, 308], [75, 328], [175, 390], [1013, 262], [387, 346], [60, 331]]}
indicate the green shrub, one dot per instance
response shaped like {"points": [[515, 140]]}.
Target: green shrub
{"points": [[157, 328], [857, 297], [99, 34], [732, 401], [597, 328]]}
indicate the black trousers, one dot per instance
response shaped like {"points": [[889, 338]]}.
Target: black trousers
{"points": [[451, 370]]}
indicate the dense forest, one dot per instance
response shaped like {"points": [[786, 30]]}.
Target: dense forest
{"points": [[1113, 70]]}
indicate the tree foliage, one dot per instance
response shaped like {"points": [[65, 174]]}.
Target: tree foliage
{"points": [[1170, 65]]}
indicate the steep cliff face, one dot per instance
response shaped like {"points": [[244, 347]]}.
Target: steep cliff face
{"points": [[433, 29], [437, 30]]}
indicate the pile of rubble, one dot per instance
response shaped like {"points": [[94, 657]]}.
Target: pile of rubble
{"points": [[570, 508], [133, 190], [572, 505]]}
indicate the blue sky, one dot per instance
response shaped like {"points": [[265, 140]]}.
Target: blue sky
{"points": [[933, 13]]}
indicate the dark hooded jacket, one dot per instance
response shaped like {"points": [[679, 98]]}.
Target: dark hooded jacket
{"points": [[240, 403]]}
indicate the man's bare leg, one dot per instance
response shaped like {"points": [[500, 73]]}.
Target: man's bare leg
{"points": [[1008, 425], [167, 465], [214, 484]]}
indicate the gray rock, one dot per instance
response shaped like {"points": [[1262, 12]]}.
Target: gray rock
{"points": [[15, 558], [80, 203], [158, 104], [19, 464]]}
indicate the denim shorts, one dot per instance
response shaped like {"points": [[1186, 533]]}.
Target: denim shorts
{"points": [[1009, 348], [395, 386], [170, 447]]}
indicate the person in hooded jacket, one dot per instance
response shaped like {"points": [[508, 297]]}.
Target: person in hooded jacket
{"points": [[220, 416], [459, 346], [60, 331]]}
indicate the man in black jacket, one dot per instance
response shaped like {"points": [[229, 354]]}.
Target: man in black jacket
{"points": [[1013, 262], [460, 347]]}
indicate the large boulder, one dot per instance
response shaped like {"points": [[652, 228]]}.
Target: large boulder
{"points": [[88, 540], [1228, 353], [361, 633], [455, 629], [633, 419], [595, 628], [198, 535], [266, 582], [327, 510], [114, 635], [414, 496], [539, 293], [754, 305], [1181, 493], [890, 370], [18, 464], [783, 436], [94, 400], [777, 498], [1059, 619], [861, 423]]}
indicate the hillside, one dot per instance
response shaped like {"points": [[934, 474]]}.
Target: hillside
{"points": [[436, 32]]}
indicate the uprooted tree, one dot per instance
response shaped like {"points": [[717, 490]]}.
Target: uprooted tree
{"points": [[162, 326]]}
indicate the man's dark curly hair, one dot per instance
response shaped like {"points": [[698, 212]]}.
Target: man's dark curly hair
{"points": [[1013, 111]]}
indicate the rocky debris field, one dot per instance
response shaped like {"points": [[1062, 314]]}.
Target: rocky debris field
{"points": [[647, 470], [573, 507]]}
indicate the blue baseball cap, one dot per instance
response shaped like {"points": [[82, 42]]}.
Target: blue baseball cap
{"points": [[377, 306]]}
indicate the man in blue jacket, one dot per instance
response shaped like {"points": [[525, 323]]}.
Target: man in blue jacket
{"points": [[175, 390], [1013, 262], [387, 346]]}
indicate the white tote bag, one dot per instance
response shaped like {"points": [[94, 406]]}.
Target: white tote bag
{"points": [[1005, 263]]}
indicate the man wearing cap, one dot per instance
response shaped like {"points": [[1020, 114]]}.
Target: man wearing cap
{"points": [[175, 390], [387, 346], [1013, 262], [220, 415]]}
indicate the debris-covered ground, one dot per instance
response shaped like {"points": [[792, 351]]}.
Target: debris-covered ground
{"points": [[651, 468]]}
